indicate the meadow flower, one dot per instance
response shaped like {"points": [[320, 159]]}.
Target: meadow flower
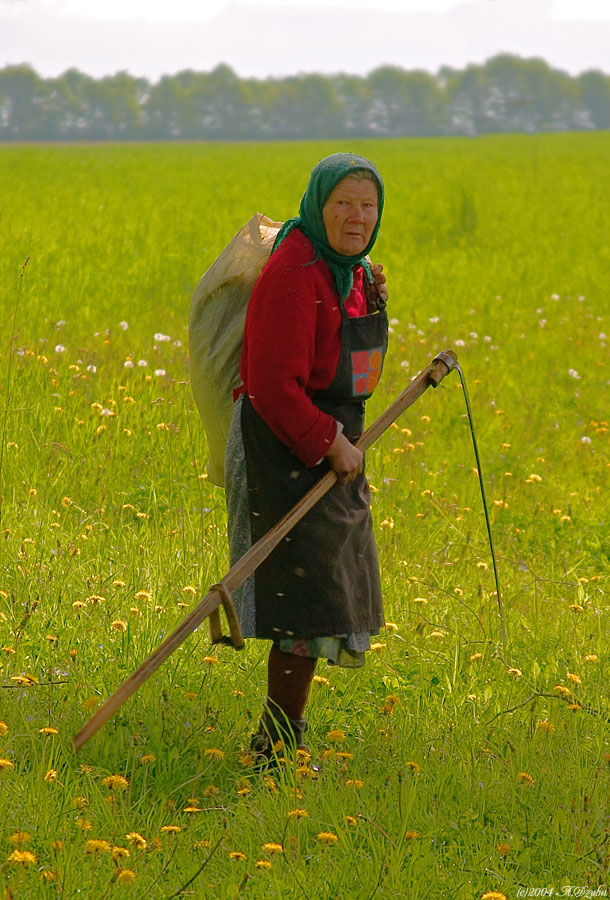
{"points": [[413, 766], [475, 657], [136, 840], [493, 895], [263, 864], [119, 625], [125, 876], [525, 778], [211, 791], [3, 729], [48, 730], [562, 690], [190, 590], [20, 837], [171, 829], [298, 813], [272, 848], [116, 782], [160, 372], [545, 725], [192, 809], [355, 783], [237, 856], [573, 374], [591, 657], [422, 600], [142, 363], [214, 753], [6, 765], [210, 660], [51, 776], [120, 853], [335, 735], [147, 759], [572, 676], [502, 849], [411, 835], [327, 837], [576, 607], [516, 673], [320, 679], [97, 846], [23, 858]]}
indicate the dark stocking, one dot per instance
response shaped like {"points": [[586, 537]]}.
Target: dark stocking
{"points": [[288, 681]]}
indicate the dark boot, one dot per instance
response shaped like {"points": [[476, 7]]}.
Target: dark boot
{"points": [[278, 736]]}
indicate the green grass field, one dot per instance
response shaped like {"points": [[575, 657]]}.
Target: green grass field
{"points": [[451, 766]]}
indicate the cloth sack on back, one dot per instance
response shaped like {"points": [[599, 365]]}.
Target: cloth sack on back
{"points": [[216, 330]]}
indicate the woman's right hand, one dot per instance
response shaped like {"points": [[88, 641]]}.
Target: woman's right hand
{"points": [[345, 459]]}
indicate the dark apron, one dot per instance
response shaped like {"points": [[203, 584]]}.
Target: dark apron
{"points": [[323, 578]]}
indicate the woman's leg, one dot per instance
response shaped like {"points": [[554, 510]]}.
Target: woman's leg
{"points": [[288, 681]]}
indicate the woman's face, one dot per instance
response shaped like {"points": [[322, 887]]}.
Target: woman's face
{"points": [[350, 215]]}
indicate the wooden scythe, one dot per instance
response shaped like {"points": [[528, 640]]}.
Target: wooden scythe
{"points": [[220, 594]]}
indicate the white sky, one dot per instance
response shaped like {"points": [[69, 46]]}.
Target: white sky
{"points": [[284, 37]]}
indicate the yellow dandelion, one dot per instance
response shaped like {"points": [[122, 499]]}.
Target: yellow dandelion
{"points": [[97, 846], [335, 735], [591, 658], [201, 845], [355, 783], [58, 846], [48, 875], [143, 595], [502, 849], [3, 729], [377, 647], [327, 837], [475, 657], [119, 625], [211, 791], [120, 853], [125, 876], [562, 690], [148, 759], [272, 848], [516, 673], [525, 778], [25, 679], [574, 707], [48, 729], [320, 679], [83, 824], [413, 766], [298, 813], [391, 626], [192, 809], [214, 753], [20, 837], [573, 677], [136, 840], [171, 829], [576, 607], [118, 583], [411, 835], [263, 864], [422, 600], [6, 765], [190, 696], [547, 726], [351, 820], [210, 660], [493, 895], [237, 856], [190, 590], [23, 858], [115, 782]]}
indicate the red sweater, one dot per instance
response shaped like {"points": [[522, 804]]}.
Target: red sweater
{"points": [[291, 345]]}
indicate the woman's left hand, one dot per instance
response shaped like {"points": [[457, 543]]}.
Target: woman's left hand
{"points": [[380, 281]]}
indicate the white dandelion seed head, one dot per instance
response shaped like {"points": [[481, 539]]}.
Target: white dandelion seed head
{"points": [[393, 321], [542, 323], [460, 343], [128, 364], [554, 296], [585, 439], [159, 372], [434, 319], [106, 412], [404, 364], [581, 299], [473, 335], [573, 373], [487, 339], [162, 338], [602, 336], [123, 326], [60, 324], [177, 343], [59, 348], [92, 369], [142, 363]]}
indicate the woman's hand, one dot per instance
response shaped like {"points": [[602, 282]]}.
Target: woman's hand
{"points": [[345, 459], [380, 281]]}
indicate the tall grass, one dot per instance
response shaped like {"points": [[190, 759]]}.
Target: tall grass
{"points": [[450, 766]]}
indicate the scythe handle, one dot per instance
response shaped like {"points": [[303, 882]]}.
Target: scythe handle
{"points": [[433, 374]]}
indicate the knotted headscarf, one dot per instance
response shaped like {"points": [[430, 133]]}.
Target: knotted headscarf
{"points": [[323, 179]]}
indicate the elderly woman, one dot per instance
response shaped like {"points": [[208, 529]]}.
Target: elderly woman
{"points": [[315, 338]]}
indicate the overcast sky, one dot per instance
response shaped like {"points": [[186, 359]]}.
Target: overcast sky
{"points": [[283, 37]]}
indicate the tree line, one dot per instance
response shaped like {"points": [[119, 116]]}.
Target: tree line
{"points": [[505, 94]]}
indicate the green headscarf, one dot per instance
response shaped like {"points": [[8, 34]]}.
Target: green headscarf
{"points": [[323, 179]]}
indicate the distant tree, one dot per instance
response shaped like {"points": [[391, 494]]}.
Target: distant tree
{"points": [[22, 96], [594, 89]]}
